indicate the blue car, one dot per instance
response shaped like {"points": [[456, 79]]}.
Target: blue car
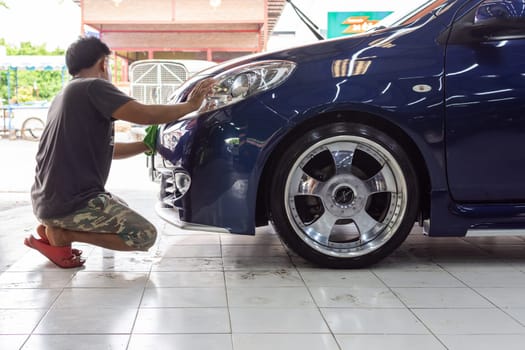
{"points": [[343, 145]]}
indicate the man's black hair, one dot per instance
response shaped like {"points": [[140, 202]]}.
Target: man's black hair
{"points": [[84, 53]]}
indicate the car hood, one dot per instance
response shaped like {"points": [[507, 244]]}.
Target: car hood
{"points": [[297, 53], [303, 53], [316, 51]]}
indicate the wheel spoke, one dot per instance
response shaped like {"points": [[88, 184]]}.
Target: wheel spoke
{"points": [[383, 181], [367, 226], [320, 230], [303, 184], [342, 154]]}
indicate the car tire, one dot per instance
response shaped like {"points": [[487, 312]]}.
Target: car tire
{"points": [[344, 195]]}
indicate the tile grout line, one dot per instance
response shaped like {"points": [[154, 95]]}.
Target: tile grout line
{"points": [[142, 295], [317, 306], [226, 293], [410, 310], [49, 308]]}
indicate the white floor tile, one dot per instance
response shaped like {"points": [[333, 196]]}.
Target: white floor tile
{"points": [[12, 342], [504, 277], [34, 298], [355, 297], [180, 342], [517, 263], [19, 321], [251, 250], [285, 297], [443, 252], [271, 278], [483, 342], [191, 251], [495, 241], [340, 278], [101, 297], [182, 320], [109, 279], [184, 297], [120, 263], [31, 261], [188, 264], [92, 320], [373, 321], [77, 342], [468, 321], [284, 342], [182, 238], [277, 320], [406, 262], [390, 342], [505, 251], [186, 279], [504, 297], [441, 298], [98, 253], [259, 239], [416, 278], [256, 263], [36, 279], [518, 314], [480, 265]]}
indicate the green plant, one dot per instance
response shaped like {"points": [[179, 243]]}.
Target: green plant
{"points": [[28, 85]]}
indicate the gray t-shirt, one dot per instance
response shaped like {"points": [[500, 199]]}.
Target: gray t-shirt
{"points": [[76, 149]]}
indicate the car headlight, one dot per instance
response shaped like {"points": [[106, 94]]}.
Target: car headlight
{"points": [[244, 81], [170, 136]]}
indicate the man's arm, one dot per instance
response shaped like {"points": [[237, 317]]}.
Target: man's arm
{"points": [[138, 113], [128, 149]]}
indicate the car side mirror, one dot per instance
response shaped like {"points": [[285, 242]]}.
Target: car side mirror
{"points": [[487, 30], [498, 12], [492, 20]]}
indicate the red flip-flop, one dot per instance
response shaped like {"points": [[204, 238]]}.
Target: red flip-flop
{"points": [[61, 256], [41, 231]]}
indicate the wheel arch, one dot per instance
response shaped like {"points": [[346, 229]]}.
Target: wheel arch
{"points": [[384, 125]]}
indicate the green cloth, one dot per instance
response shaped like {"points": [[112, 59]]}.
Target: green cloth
{"points": [[150, 140]]}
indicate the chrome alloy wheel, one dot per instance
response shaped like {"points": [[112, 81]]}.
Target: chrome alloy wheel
{"points": [[345, 196]]}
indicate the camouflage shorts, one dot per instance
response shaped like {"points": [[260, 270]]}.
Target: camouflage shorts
{"points": [[109, 214]]}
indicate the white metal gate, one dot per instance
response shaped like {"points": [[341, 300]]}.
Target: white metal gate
{"points": [[153, 81]]}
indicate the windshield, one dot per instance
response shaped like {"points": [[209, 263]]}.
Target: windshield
{"points": [[410, 13]]}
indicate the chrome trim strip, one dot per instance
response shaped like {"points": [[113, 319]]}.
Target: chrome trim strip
{"points": [[489, 233], [171, 215]]}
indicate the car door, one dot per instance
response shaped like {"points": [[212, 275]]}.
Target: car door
{"points": [[485, 103]]}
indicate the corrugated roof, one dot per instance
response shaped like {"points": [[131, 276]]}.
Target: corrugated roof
{"points": [[32, 62]]}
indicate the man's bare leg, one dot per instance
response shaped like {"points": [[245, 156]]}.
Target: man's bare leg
{"points": [[61, 237]]}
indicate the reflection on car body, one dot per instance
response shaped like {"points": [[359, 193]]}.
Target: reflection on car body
{"points": [[344, 144]]}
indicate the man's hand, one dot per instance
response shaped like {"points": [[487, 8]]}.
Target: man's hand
{"points": [[199, 92]]}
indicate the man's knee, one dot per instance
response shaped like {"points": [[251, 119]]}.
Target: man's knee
{"points": [[151, 238], [142, 239]]}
